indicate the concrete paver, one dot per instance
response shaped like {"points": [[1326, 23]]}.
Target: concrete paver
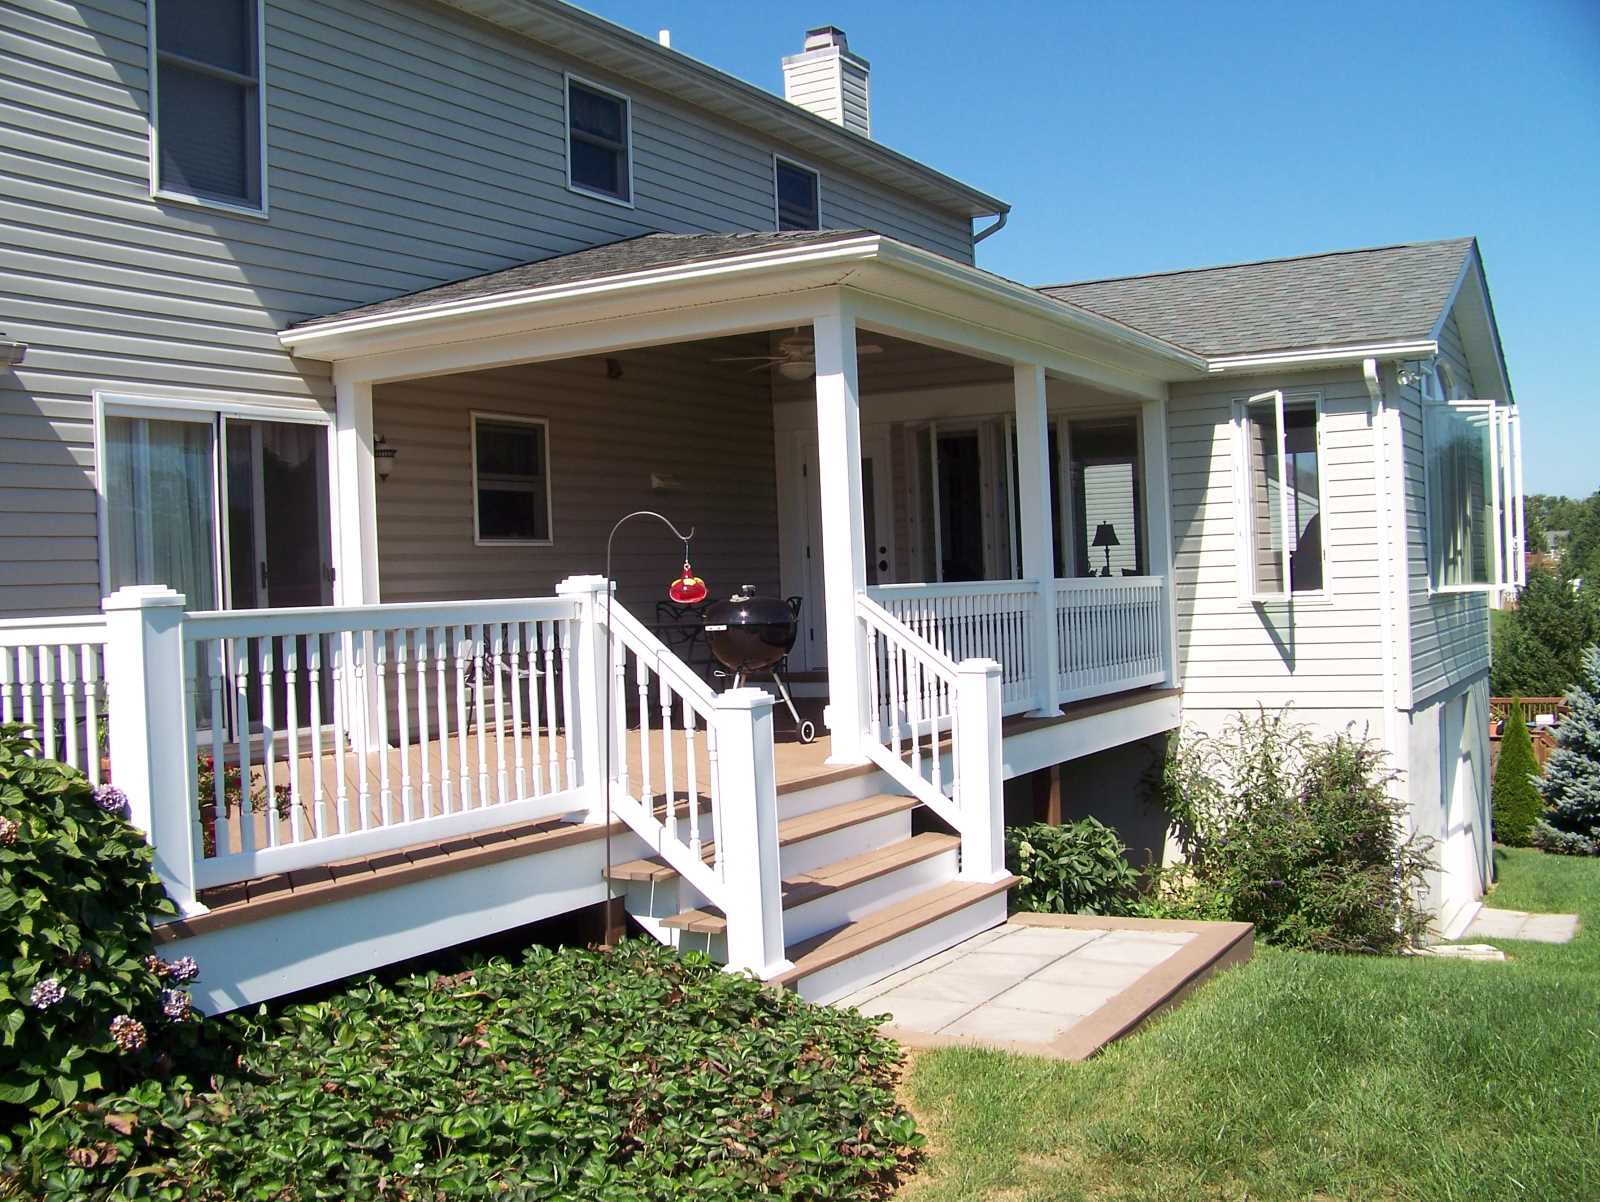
{"points": [[1519, 924]]}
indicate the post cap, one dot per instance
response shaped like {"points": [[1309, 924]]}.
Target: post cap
{"points": [[978, 667], [142, 596], [745, 699]]}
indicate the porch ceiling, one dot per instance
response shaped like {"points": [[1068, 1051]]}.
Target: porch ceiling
{"points": [[670, 288]]}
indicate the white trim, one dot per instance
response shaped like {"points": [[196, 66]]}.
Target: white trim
{"points": [[133, 404], [512, 419], [1354, 353], [816, 178], [568, 78], [238, 208]]}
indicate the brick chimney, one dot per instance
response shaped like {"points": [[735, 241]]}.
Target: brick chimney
{"points": [[826, 79]]}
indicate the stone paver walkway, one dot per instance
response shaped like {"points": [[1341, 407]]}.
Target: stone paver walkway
{"points": [[1518, 924], [1031, 987]]}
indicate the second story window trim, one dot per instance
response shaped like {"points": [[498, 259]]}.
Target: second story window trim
{"points": [[248, 77], [621, 147], [791, 215]]}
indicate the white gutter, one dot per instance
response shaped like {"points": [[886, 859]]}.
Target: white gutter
{"points": [[999, 224], [1324, 356]]}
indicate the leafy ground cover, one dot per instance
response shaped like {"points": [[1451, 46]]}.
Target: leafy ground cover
{"points": [[1303, 1075], [627, 1075]]}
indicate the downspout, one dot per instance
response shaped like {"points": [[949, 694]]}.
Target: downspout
{"points": [[999, 224]]}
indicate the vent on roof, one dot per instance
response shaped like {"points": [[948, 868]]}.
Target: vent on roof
{"points": [[828, 80]]}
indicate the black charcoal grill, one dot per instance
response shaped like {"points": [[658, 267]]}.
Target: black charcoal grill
{"points": [[750, 633]]}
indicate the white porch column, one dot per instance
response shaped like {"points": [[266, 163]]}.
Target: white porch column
{"points": [[1037, 524], [748, 841], [1158, 522], [355, 495], [844, 562], [152, 729], [981, 781]]}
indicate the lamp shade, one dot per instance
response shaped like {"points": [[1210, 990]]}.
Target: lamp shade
{"points": [[1105, 535]]}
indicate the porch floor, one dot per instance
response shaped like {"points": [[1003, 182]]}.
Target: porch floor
{"points": [[1056, 985]]}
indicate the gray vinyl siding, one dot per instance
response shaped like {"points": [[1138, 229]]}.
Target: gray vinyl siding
{"points": [[407, 146], [1323, 655], [673, 412], [1449, 631]]}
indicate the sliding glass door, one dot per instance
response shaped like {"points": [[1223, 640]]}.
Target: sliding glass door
{"points": [[161, 510]]}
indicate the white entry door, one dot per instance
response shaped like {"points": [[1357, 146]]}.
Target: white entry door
{"points": [[801, 515]]}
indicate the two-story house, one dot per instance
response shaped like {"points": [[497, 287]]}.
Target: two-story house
{"points": [[341, 335]]}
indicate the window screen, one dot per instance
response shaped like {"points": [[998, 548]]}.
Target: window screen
{"points": [[1474, 480], [511, 463], [1279, 475], [798, 197], [597, 141], [208, 118]]}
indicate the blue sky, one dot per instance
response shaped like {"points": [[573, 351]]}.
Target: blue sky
{"points": [[1142, 136]]}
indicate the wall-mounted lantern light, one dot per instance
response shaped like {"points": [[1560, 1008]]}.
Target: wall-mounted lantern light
{"points": [[383, 456]]}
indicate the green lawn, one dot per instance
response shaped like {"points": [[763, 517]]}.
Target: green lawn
{"points": [[1308, 1076]]}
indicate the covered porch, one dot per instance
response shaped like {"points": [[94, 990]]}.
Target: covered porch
{"points": [[842, 419]]}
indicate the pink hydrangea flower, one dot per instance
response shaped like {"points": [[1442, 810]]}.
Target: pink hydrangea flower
{"points": [[8, 831], [46, 994], [128, 1032], [175, 1004]]}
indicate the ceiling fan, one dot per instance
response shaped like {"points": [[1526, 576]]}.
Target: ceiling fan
{"points": [[795, 357]]}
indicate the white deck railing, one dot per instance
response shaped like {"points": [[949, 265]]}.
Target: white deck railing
{"points": [[980, 619], [1111, 635], [52, 678], [329, 733]]}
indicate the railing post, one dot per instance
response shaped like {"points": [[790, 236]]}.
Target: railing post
{"points": [[748, 852], [980, 781], [1034, 470], [589, 672], [1158, 526], [151, 721]]}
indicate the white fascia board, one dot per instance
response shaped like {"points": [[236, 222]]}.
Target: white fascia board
{"points": [[336, 339], [993, 287], [1324, 356]]}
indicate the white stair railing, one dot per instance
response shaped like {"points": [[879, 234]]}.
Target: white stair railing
{"points": [[933, 725], [975, 619], [52, 679], [692, 774]]}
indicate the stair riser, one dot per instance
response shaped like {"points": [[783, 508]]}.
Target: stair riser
{"points": [[839, 792], [848, 905], [902, 952], [842, 844]]}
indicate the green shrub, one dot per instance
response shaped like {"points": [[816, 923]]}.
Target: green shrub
{"points": [[1517, 804], [636, 1074], [84, 1004], [1079, 868], [1293, 833]]}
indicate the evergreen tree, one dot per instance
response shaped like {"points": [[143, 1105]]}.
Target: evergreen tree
{"points": [[1517, 804], [1571, 783], [1538, 646]]}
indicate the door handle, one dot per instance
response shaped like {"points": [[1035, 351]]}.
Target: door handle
{"points": [[883, 565], [263, 566]]}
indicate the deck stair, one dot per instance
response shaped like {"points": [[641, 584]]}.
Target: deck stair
{"points": [[862, 895]]}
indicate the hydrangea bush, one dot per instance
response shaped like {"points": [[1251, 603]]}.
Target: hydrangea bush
{"points": [[85, 1004]]}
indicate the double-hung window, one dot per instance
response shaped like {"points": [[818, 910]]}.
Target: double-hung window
{"points": [[1278, 496], [1473, 454], [510, 479], [207, 113], [798, 192], [599, 142]]}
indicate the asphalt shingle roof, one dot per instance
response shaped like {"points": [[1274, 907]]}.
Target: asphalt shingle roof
{"points": [[1334, 299], [614, 258]]}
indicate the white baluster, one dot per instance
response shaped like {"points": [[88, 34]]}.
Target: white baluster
{"points": [[360, 723], [619, 715], [534, 734], [319, 799], [446, 780], [291, 682], [564, 630], [641, 680], [269, 740], [548, 631], [216, 659], [668, 783], [692, 764], [497, 651], [47, 689], [91, 712], [69, 696], [479, 654], [516, 709], [463, 772], [402, 709], [241, 740], [419, 647]]}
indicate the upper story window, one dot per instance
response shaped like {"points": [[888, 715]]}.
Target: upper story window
{"points": [[1278, 495], [799, 195], [510, 479], [599, 142], [208, 115]]}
